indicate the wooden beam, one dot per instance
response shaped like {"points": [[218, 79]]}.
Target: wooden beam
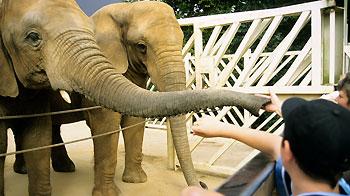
{"points": [[304, 67], [316, 90], [189, 44], [295, 65], [198, 50], [224, 19], [212, 39], [282, 48], [257, 53], [252, 33], [339, 46], [332, 50], [279, 68], [317, 46]]}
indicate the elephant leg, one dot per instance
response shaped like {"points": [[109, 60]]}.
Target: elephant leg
{"points": [[59, 156], [105, 150], [36, 133], [133, 139], [3, 149], [19, 166]]}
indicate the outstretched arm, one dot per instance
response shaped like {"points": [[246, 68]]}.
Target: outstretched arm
{"points": [[265, 142]]}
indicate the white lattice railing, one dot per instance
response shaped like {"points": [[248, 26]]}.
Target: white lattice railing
{"points": [[213, 58], [347, 57]]}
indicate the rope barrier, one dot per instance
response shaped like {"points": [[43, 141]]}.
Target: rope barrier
{"points": [[70, 142], [49, 113], [67, 111]]}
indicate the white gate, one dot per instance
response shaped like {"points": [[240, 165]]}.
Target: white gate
{"points": [[213, 58]]}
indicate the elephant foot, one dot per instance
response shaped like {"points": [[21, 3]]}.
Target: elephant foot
{"points": [[108, 190], [63, 165], [134, 175], [19, 166]]}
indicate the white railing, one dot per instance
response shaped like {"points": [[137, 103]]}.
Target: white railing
{"points": [[248, 66]]}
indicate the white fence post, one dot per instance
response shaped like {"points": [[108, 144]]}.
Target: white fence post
{"points": [[317, 47]]}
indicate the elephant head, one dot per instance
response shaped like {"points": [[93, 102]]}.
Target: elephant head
{"points": [[139, 39]]}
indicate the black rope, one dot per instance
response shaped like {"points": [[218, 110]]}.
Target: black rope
{"points": [[70, 142], [67, 111], [49, 113]]}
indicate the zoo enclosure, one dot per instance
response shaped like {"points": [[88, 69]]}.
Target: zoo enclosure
{"points": [[234, 51]]}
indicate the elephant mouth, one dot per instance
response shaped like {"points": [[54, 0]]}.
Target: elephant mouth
{"points": [[37, 80], [139, 68]]}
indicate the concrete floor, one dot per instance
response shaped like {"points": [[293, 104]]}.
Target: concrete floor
{"points": [[161, 181]]}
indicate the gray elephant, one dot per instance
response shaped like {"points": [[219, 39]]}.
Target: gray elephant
{"points": [[150, 43], [51, 45]]}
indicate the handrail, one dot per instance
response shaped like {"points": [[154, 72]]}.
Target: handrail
{"points": [[248, 180], [252, 187], [251, 15]]}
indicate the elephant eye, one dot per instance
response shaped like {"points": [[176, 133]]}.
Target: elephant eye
{"points": [[33, 38], [142, 47]]}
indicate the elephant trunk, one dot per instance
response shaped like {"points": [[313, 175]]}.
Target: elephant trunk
{"points": [[95, 77], [172, 76]]}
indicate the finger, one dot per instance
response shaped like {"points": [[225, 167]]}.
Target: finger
{"points": [[263, 96], [195, 128], [194, 132], [271, 92]]}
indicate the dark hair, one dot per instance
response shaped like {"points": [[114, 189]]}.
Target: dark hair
{"points": [[312, 167], [344, 84], [319, 136]]}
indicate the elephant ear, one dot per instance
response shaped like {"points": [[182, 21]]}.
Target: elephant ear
{"points": [[109, 36], [8, 82]]}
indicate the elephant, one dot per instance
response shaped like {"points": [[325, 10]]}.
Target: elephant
{"points": [[51, 45], [125, 31]]}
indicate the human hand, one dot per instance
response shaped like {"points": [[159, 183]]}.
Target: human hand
{"points": [[275, 105], [208, 126]]}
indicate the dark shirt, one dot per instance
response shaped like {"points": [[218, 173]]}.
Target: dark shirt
{"points": [[283, 184]]}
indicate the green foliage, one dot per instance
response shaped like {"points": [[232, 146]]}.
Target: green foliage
{"points": [[189, 8]]}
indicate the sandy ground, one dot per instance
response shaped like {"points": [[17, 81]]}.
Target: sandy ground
{"points": [[161, 181]]}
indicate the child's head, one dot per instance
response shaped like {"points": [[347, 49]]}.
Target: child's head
{"points": [[318, 133], [344, 91]]}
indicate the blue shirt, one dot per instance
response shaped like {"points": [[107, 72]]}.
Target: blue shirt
{"points": [[283, 184]]}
